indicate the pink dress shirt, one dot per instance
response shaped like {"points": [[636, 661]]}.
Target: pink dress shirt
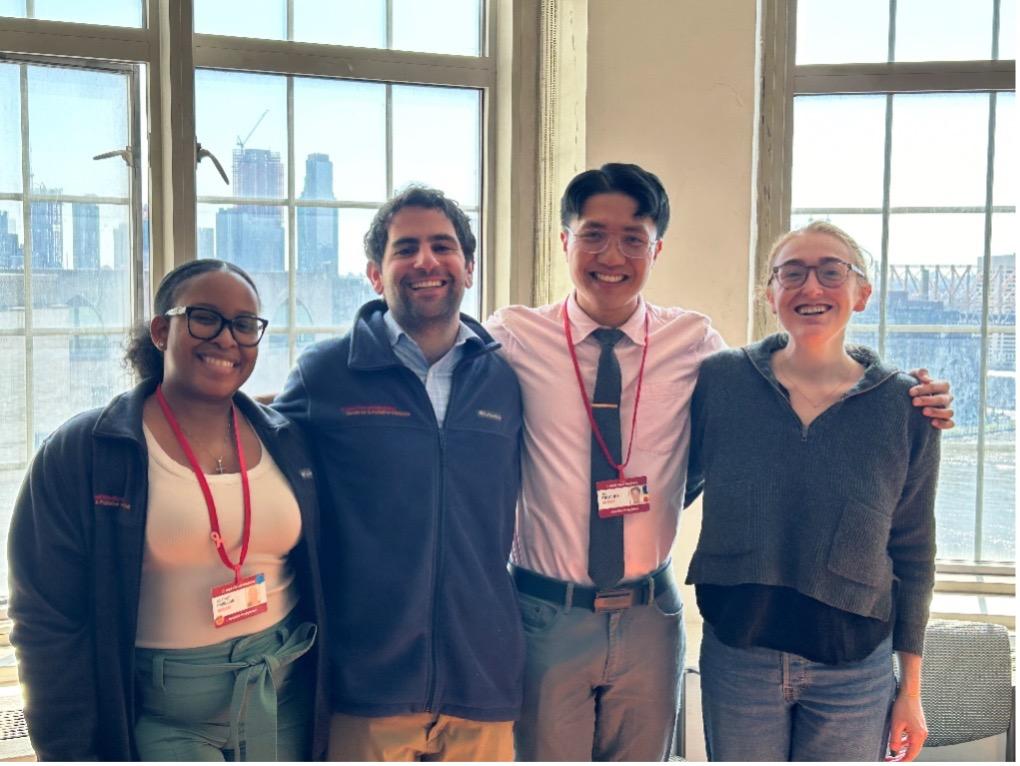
{"points": [[552, 514]]}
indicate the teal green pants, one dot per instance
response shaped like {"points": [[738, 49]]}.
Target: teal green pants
{"points": [[246, 699]]}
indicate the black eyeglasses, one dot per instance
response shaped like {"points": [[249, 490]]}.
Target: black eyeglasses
{"points": [[206, 324], [831, 272]]}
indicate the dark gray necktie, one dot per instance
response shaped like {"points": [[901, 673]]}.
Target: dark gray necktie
{"points": [[605, 543]]}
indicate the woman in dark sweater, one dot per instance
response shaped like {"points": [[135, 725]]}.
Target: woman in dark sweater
{"points": [[816, 555]]}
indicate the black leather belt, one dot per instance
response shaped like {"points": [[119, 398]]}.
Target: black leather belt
{"points": [[623, 596]]}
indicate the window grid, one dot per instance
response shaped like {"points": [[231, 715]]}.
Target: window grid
{"points": [[28, 196], [984, 330]]}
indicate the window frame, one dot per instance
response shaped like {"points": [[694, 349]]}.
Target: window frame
{"points": [[782, 80]]}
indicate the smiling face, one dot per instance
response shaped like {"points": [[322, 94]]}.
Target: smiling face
{"points": [[423, 273], [813, 312], [608, 283], [211, 370]]}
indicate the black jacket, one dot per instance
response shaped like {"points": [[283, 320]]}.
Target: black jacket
{"points": [[417, 523], [75, 552]]}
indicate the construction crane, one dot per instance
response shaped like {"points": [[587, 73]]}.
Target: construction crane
{"points": [[240, 143]]}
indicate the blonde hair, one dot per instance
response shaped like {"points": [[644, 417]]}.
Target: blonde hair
{"points": [[858, 255]]}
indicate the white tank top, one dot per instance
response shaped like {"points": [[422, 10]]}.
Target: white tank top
{"points": [[180, 565]]}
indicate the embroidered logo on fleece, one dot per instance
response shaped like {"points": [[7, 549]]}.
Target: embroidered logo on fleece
{"points": [[490, 415], [374, 409], [112, 501]]}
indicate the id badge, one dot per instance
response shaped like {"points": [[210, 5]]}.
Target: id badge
{"points": [[617, 497], [237, 601]]}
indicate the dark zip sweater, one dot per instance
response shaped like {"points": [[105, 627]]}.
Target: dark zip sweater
{"points": [[835, 510], [75, 551], [417, 525]]}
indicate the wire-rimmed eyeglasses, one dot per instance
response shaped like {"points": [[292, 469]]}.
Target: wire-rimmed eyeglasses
{"points": [[595, 241], [205, 324]]}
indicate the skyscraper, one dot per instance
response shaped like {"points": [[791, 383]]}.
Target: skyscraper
{"points": [[10, 248], [252, 235], [47, 232], [85, 234], [318, 246]]}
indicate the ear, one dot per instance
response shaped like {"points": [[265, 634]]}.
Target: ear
{"points": [[469, 273], [159, 331], [564, 239], [655, 251], [374, 275], [863, 293], [769, 299]]}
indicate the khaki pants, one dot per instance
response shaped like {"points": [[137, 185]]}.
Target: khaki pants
{"points": [[419, 737]]}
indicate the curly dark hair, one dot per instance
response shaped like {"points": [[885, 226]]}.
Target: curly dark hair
{"points": [[418, 196], [141, 354]]}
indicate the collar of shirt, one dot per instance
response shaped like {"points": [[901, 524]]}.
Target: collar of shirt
{"points": [[409, 347], [582, 325]]}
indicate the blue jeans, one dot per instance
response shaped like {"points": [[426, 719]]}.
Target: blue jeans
{"points": [[600, 686], [764, 705]]}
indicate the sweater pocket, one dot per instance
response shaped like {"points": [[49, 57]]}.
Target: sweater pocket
{"points": [[858, 550]]}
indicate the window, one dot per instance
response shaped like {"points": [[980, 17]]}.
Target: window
{"points": [[903, 133], [317, 110]]}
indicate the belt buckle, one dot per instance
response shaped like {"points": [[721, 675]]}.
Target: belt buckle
{"points": [[614, 599]]}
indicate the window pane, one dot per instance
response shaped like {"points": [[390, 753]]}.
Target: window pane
{"points": [[340, 140], [1004, 192], [361, 24], [80, 265], [950, 127], [955, 356], [61, 150], [838, 137], [1007, 30], [116, 13], [999, 498], [13, 448], [439, 26], [354, 225], [935, 268], [266, 19], [242, 119], [12, 8], [943, 30], [437, 140], [252, 236], [838, 32], [10, 128], [273, 363], [12, 260]]}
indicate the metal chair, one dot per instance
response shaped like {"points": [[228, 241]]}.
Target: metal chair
{"points": [[967, 683]]}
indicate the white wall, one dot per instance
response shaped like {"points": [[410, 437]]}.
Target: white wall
{"points": [[671, 87]]}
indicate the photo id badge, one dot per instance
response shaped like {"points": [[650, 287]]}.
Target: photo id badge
{"points": [[617, 497], [237, 601]]}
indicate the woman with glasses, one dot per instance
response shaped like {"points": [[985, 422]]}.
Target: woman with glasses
{"points": [[164, 575], [816, 556]]}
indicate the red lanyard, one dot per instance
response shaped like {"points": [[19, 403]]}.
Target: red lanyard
{"points": [[214, 521], [587, 404]]}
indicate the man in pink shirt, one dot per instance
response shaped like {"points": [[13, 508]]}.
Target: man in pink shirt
{"points": [[606, 380]]}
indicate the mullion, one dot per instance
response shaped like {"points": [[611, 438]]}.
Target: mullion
{"points": [[983, 365], [26, 254]]}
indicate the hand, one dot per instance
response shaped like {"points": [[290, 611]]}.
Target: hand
{"points": [[934, 396], [909, 731]]}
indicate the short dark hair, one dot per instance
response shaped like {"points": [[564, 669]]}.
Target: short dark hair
{"points": [[418, 196], [141, 353], [622, 178]]}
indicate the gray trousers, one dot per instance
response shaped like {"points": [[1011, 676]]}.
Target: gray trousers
{"points": [[600, 687]]}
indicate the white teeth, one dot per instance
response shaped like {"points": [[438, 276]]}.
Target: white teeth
{"points": [[608, 277], [812, 309], [217, 362], [427, 283]]}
